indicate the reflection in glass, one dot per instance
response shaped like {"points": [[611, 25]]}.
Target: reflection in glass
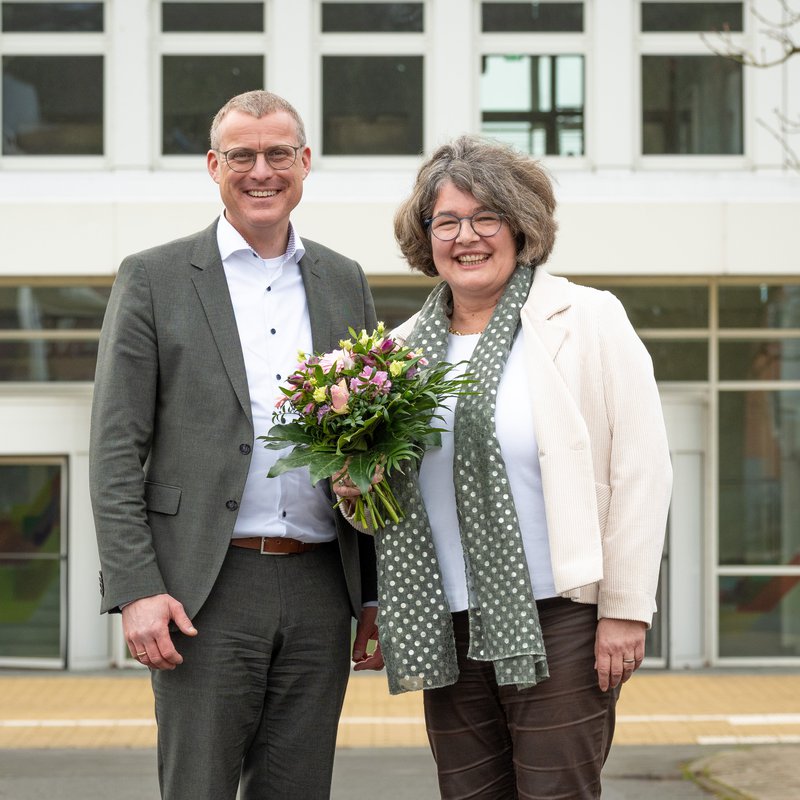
{"points": [[47, 360], [194, 89], [30, 588], [759, 306], [52, 307], [52, 105], [679, 360], [667, 17], [759, 476], [212, 17], [767, 360], [372, 18], [529, 17], [691, 105], [372, 105], [52, 17], [534, 102], [664, 306], [759, 616]]}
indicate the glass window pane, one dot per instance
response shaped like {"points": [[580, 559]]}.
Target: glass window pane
{"points": [[52, 307], [43, 360], [679, 360], [664, 306], [759, 616], [527, 17], [691, 105], [30, 570], [759, 475], [194, 89], [52, 17], [759, 306], [534, 102], [668, 17], [372, 105], [766, 360], [395, 304], [212, 17], [52, 105], [372, 17]]}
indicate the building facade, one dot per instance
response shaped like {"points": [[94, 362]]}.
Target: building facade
{"points": [[673, 192]]}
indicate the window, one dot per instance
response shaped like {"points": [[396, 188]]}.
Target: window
{"points": [[373, 77], [692, 101], [32, 560], [53, 101], [532, 86], [210, 52], [49, 331], [534, 102]]}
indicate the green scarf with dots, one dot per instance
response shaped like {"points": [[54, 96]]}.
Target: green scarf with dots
{"points": [[416, 629]]}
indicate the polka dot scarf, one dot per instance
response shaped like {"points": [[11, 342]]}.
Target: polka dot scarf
{"points": [[415, 622]]}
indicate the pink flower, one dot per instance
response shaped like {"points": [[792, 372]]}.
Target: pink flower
{"points": [[309, 408], [280, 401], [341, 359], [340, 397], [381, 380]]}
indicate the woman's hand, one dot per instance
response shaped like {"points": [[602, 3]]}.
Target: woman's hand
{"points": [[618, 651], [345, 488]]}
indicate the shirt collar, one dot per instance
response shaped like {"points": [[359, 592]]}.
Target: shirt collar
{"points": [[230, 241]]}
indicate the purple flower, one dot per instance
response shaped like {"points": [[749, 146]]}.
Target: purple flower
{"points": [[309, 408], [322, 411]]}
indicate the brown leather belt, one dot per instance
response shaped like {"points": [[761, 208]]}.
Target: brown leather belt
{"points": [[274, 545]]}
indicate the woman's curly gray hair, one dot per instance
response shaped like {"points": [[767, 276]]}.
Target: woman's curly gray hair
{"points": [[500, 178]]}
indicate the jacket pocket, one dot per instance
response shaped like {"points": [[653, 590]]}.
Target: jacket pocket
{"points": [[161, 498], [603, 493]]}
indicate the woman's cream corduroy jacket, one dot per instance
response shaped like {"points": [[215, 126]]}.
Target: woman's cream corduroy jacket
{"points": [[606, 471]]}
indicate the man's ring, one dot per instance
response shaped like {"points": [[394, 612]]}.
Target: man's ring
{"points": [[143, 653], [341, 481], [628, 660]]}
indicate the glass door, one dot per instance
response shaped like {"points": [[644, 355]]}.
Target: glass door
{"points": [[32, 561]]}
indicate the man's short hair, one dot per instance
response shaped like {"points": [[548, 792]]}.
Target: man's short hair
{"points": [[257, 103]]}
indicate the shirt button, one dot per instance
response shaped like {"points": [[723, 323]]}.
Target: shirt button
{"points": [[269, 288], [278, 377], [231, 505], [245, 449], [283, 514], [272, 330]]}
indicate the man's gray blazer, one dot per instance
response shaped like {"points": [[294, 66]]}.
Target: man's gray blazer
{"points": [[172, 430]]}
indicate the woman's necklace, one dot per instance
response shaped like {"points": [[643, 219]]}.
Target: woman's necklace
{"points": [[464, 333]]}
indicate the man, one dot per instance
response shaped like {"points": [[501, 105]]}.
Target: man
{"points": [[236, 591]]}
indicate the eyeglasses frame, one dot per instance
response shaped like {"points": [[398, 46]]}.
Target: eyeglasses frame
{"points": [[428, 223], [257, 153]]}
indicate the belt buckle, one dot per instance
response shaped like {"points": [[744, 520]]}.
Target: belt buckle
{"points": [[267, 552]]}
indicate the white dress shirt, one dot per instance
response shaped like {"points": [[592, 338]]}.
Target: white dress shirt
{"points": [[269, 302], [514, 428]]}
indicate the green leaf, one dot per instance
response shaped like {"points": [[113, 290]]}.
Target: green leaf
{"points": [[323, 465], [299, 457]]}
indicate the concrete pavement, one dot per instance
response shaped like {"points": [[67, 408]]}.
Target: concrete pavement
{"points": [[68, 735]]}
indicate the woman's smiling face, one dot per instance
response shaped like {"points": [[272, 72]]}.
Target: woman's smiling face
{"points": [[476, 267]]}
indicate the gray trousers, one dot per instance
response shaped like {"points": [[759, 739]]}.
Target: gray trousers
{"points": [[549, 742], [258, 696]]}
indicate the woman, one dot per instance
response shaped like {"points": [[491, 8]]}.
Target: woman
{"points": [[518, 588]]}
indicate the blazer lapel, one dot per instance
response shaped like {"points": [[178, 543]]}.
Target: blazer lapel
{"points": [[320, 298], [212, 288], [548, 296]]}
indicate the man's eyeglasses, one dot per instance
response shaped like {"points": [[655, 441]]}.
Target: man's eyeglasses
{"points": [[447, 227], [240, 159]]}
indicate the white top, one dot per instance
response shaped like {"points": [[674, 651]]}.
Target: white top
{"points": [[514, 429], [269, 302]]}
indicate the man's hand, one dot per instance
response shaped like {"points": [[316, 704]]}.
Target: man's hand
{"points": [[145, 624], [618, 651], [367, 630]]}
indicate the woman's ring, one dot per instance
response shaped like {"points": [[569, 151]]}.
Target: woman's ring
{"points": [[628, 660], [143, 653]]}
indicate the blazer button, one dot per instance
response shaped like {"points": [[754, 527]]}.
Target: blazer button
{"points": [[245, 449], [232, 505]]}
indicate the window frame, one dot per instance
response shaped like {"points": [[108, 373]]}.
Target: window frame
{"points": [[65, 44], [361, 45], [200, 44], [542, 44], [688, 43]]}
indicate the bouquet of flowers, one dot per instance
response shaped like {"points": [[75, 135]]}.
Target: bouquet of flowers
{"points": [[367, 408]]}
